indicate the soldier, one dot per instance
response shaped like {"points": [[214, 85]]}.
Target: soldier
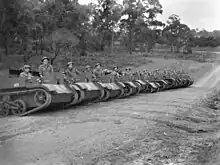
{"points": [[89, 73], [127, 71], [26, 73], [98, 70], [71, 72], [116, 71], [45, 68], [88, 68]]}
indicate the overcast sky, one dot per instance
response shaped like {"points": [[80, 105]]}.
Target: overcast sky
{"points": [[195, 13]]}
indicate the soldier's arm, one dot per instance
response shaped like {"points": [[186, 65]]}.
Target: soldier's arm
{"points": [[22, 74], [40, 71], [52, 69], [70, 75], [30, 75], [64, 75], [78, 72]]}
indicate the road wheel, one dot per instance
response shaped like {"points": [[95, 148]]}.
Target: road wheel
{"points": [[20, 108], [4, 109]]}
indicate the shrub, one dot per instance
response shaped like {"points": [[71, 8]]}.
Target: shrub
{"points": [[212, 99]]}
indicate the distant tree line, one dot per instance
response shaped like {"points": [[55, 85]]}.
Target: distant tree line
{"points": [[66, 27]]}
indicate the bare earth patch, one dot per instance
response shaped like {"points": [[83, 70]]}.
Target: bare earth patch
{"points": [[146, 129]]}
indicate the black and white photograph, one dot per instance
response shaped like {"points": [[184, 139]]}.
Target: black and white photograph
{"points": [[109, 82]]}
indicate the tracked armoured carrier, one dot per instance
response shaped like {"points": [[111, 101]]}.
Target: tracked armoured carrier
{"points": [[21, 97]]}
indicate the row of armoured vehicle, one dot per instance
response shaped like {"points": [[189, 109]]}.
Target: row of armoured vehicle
{"points": [[20, 97]]}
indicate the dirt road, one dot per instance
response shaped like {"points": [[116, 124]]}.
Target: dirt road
{"points": [[147, 128]]}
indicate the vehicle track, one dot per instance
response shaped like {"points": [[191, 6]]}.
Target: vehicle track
{"points": [[87, 134]]}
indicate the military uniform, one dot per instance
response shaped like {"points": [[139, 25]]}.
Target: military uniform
{"points": [[45, 70], [98, 72], [27, 75], [116, 71], [71, 73], [89, 73]]}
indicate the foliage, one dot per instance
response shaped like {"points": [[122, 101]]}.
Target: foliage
{"points": [[212, 99], [105, 18], [140, 17], [167, 73], [59, 26], [176, 33]]}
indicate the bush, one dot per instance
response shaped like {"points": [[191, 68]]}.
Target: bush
{"points": [[160, 74], [212, 99]]}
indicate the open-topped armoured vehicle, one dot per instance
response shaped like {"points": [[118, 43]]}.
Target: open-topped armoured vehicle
{"points": [[19, 96]]}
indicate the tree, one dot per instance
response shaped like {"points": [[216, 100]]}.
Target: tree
{"points": [[61, 38], [106, 15], [176, 33], [139, 14]]}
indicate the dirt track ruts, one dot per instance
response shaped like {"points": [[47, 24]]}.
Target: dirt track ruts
{"points": [[98, 132]]}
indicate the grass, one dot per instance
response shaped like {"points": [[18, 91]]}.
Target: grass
{"points": [[196, 64], [109, 59], [212, 99]]}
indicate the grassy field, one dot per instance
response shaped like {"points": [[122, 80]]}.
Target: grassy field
{"points": [[120, 59]]}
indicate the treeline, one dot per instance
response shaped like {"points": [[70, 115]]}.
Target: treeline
{"points": [[67, 27]]}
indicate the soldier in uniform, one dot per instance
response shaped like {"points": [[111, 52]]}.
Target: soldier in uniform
{"points": [[98, 71], [88, 68], [116, 71], [89, 72], [71, 72], [26, 73], [45, 68]]}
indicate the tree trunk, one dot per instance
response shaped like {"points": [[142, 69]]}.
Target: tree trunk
{"points": [[41, 46], [112, 43], [102, 47], [56, 53], [36, 47], [177, 49], [171, 48], [4, 36], [130, 45]]}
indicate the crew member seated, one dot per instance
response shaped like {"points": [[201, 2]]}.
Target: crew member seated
{"points": [[88, 71], [26, 73], [98, 70], [45, 68], [71, 72]]}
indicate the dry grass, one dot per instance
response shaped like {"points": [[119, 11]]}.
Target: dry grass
{"points": [[109, 59], [195, 56], [211, 99]]}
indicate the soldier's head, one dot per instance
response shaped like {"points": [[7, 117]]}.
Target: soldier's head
{"points": [[115, 68], [45, 60], [128, 69], [27, 68], [98, 65], [70, 65], [88, 67]]}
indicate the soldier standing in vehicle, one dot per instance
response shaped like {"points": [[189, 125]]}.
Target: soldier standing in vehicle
{"points": [[116, 72], [45, 68], [26, 73], [71, 72], [98, 70], [88, 69]]}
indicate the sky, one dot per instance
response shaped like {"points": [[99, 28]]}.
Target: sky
{"points": [[202, 14]]}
